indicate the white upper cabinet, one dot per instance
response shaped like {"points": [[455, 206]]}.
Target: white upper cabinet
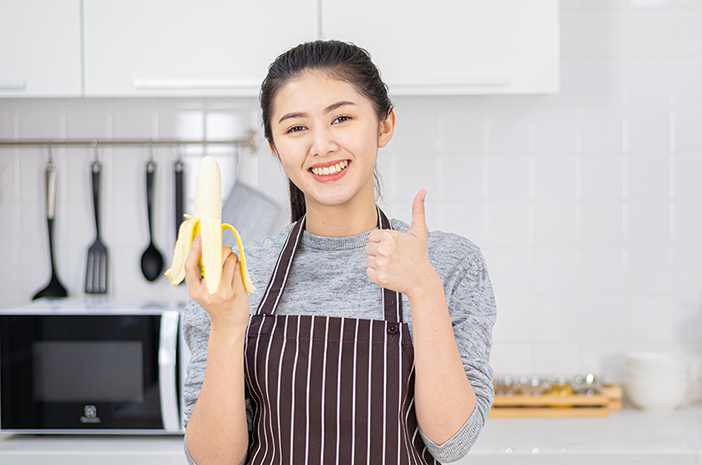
{"points": [[40, 48], [177, 47], [454, 46], [134, 48]]}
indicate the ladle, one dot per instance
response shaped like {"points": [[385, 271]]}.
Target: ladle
{"points": [[151, 260]]}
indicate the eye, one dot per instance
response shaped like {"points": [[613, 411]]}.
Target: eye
{"points": [[341, 119], [295, 129]]}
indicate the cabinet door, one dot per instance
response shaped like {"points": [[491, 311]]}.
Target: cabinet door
{"points": [[178, 47], [40, 48], [454, 47]]}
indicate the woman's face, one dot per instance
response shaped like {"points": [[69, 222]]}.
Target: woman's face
{"points": [[326, 135]]}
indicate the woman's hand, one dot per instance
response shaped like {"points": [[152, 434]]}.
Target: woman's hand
{"points": [[230, 304], [400, 261]]}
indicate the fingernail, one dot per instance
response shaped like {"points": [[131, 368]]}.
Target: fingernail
{"points": [[197, 239]]}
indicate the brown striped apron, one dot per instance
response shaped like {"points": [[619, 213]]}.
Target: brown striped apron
{"points": [[330, 390]]}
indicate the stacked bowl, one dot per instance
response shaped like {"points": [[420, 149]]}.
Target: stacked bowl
{"points": [[656, 380]]}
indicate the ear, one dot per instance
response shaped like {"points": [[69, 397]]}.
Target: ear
{"points": [[387, 128], [271, 146]]}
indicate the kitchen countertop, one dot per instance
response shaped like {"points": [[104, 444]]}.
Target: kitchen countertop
{"points": [[626, 436]]}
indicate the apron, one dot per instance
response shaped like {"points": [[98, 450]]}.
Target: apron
{"points": [[330, 390]]}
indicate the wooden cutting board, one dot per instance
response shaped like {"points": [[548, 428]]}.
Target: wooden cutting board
{"points": [[548, 406]]}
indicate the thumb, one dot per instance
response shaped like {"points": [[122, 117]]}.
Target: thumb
{"points": [[419, 222]]}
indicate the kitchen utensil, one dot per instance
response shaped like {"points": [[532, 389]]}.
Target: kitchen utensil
{"points": [[97, 266], [657, 362], [54, 289], [151, 260], [250, 212], [655, 393], [656, 380], [179, 194]]}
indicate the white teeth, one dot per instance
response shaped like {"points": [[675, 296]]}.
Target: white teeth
{"points": [[327, 170]]}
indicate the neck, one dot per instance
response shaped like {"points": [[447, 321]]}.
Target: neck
{"points": [[341, 220]]}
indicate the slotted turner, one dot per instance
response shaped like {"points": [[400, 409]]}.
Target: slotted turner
{"points": [[97, 267]]}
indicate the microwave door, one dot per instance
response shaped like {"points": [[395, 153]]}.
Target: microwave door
{"points": [[89, 373]]}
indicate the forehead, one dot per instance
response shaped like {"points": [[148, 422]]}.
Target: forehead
{"points": [[313, 92]]}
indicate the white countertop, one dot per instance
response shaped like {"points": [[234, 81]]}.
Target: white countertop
{"points": [[626, 436]]}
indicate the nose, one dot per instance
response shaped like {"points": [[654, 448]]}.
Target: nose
{"points": [[323, 141]]}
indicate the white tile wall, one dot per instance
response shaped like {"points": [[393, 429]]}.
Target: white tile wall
{"points": [[587, 204]]}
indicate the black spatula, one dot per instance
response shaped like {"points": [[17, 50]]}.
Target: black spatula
{"points": [[54, 289]]}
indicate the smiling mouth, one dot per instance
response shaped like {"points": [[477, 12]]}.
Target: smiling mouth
{"points": [[329, 170]]}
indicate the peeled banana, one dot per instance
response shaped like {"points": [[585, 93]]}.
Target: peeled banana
{"points": [[207, 222]]}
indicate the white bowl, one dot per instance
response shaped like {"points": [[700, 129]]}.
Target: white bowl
{"points": [[656, 375], [655, 394], [657, 361]]}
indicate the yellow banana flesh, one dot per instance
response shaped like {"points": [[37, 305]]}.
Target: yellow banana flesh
{"points": [[211, 259]]}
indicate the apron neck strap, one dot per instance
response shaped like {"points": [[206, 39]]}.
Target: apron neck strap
{"points": [[392, 303]]}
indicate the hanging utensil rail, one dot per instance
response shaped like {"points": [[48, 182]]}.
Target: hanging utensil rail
{"points": [[249, 141]]}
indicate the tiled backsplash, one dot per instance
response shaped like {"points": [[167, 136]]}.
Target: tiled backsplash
{"points": [[587, 204]]}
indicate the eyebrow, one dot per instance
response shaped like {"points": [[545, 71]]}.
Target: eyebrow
{"points": [[330, 108]]}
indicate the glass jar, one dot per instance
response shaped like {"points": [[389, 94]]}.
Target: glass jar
{"points": [[533, 385], [505, 386], [587, 385], [560, 386]]}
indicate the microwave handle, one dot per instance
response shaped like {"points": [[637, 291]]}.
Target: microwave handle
{"points": [[167, 366]]}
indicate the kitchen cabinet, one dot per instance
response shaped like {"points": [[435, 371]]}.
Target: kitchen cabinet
{"points": [[40, 46], [139, 48], [454, 47], [176, 48]]}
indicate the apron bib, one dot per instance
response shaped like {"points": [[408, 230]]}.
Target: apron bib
{"points": [[329, 390]]}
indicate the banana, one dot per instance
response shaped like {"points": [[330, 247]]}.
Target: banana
{"points": [[207, 222]]}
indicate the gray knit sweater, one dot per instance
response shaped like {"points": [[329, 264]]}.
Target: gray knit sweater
{"points": [[328, 277]]}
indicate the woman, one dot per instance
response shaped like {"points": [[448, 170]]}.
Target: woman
{"points": [[371, 342]]}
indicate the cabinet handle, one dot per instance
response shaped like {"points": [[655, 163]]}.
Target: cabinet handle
{"points": [[194, 83], [464, 82], [12, 84]]}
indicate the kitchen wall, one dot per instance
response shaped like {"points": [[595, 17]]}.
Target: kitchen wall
{"points": [[587, 204]]}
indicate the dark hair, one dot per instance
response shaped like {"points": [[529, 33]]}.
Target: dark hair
{"points": [[340, 60]]}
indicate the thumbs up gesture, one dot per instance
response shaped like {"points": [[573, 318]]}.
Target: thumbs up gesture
{"points": [[400, 261]]}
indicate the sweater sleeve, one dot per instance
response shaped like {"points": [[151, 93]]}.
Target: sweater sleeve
{"points": [[472, 307], [196, 332]]}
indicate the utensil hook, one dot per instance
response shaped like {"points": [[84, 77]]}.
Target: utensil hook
{"points": [[151, 164], [50, 162], [179, 163], [96, 165]]}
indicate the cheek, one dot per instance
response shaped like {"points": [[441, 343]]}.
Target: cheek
{"points": [[292, 159]]}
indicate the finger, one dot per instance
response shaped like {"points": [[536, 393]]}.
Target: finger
{"points": [[192, 266], [418, 227], [226, 252], [371, 273], [376, 235], [372, 249], [229, 268]]}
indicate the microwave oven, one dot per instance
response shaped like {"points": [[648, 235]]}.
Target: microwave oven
{"points": [[67, 367]]}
